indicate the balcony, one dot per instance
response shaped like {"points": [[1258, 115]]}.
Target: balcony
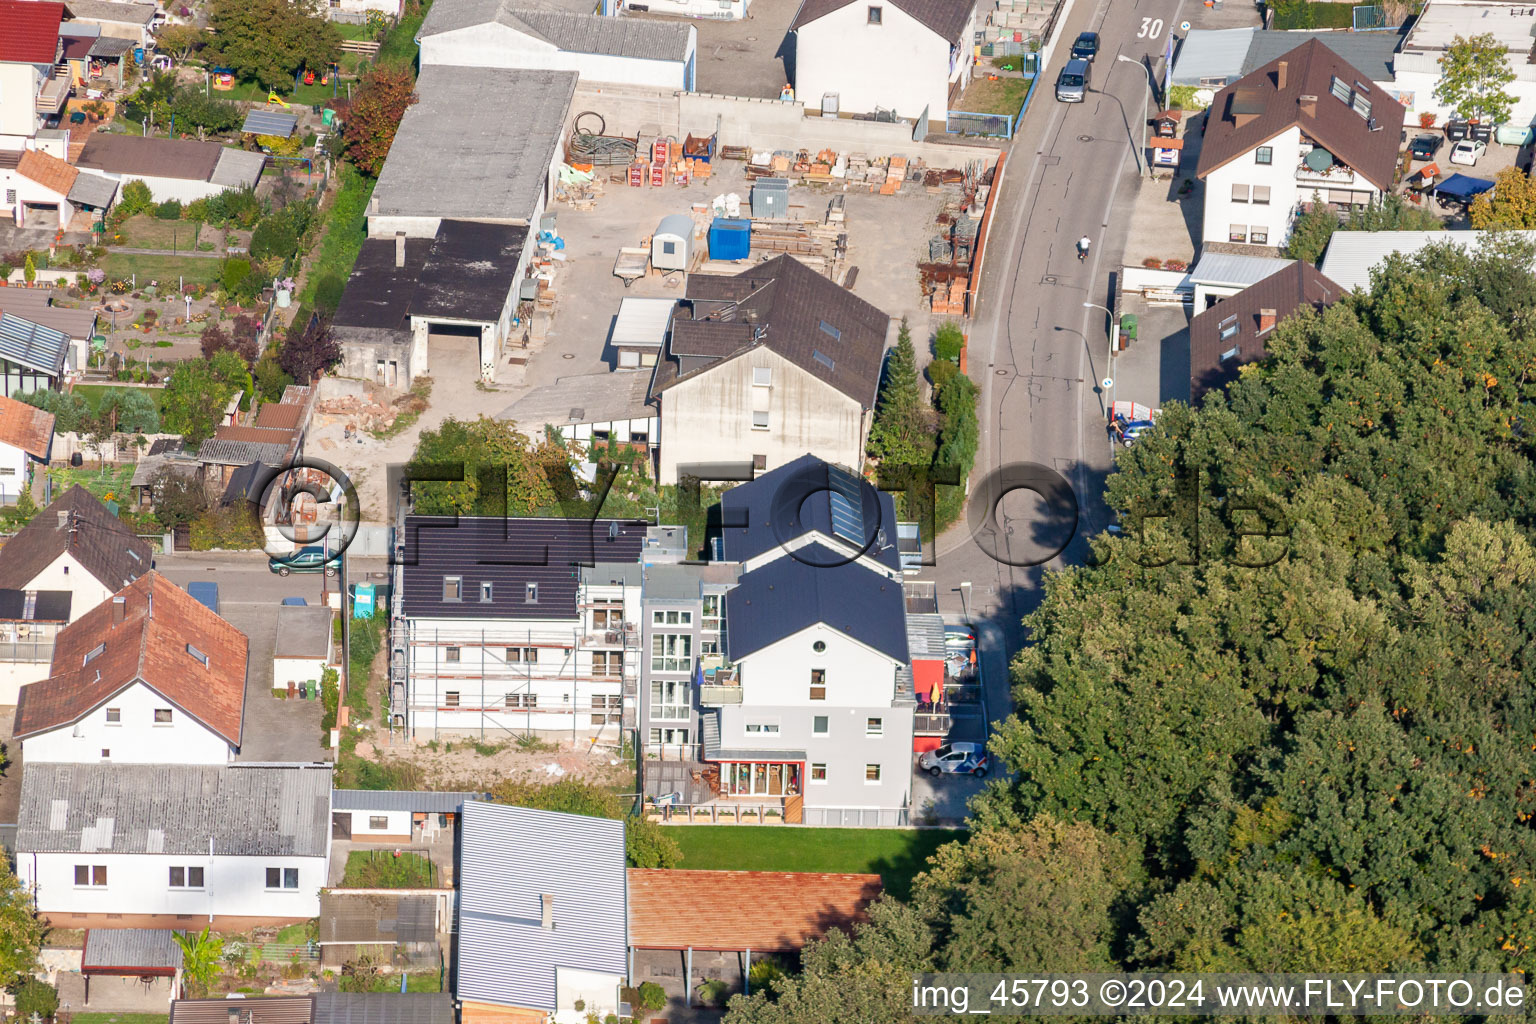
{"points": [[931, 723], [720, 687], [26, 652], [51, 97], [1313, 168]]}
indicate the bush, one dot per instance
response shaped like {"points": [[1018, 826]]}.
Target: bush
{"points": [[328, 291], [197, 209], [234, 528], [714, 992], [234, 274], [134, 198], [940, 371], [651, 997], [948, 342], [169, 210], [274, 238], [330, 702], [271, 381], [381, 869], [39, 997]]}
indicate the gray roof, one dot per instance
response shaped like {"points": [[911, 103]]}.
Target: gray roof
{"points": [[925, 636], [238, 168], [256, 1010], [110, 46], [1352, 255], [222, 452], [243, 810], [505, 957], [270, 122], [571, 31], [710, 735], [93, 190], [1370, 52], [1224, 268], [303, 631], [383, 1008], [32, 345], [1212, 56], [608, 574], [589, 398], [33, 304], [478, 144], [106, 10], [400, 800], [140, 948], [672, 583], [358, 918]]}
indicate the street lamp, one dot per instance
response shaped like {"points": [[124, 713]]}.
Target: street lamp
{"points": [[1109, 365], [1141, 160]]}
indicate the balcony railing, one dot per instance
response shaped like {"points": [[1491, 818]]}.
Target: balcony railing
{"points": [[1338, 174], [26, 651], [929, 723], [714, 695]]}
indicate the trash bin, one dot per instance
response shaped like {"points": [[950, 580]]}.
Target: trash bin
{"points": [[303, 691], [327, 116], [1128, 326]]}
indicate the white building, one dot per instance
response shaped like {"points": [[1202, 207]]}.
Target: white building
{"points": [[232, 846], [773, 362], [907, 56], [1352, 255], [506, 34], [29, 49], [180, 169], [395, 817], [305, 645], [1417, 65], [1305, 125], [74, 545], [26, 442], [148, 677]]}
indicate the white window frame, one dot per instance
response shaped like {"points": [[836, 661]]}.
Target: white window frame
{"points": [[762, 376], [761, 419]]}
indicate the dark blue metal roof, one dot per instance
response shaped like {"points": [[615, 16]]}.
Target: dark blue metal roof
{"points": [[797, 591], [806, 496]]}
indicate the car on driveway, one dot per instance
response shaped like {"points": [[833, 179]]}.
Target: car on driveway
{"points": [[1467, 152], [1086, 47], [310, 559], [955, 759], [1424, 147]]}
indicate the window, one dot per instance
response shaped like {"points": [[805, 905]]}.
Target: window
{"points": [[818, 772], [1339, 88], [763, 728], [1361, 105], [1230, 353], [453, 654], [659, 736], [1258, 235], [199, 655], [522, 701], [758, 778], [874, 727], [673, 618], [762, 376], [818, 684], [608, 664], [114, 716], [829, 330], [451, 699], [1239, 193], [608, 618], [378, 822], [671, 652], [526, 655], [531, 594], [93, 875], [824, 359], [1237, 233], [759, 419], [820, 646], [819, 725], [708, 647], [94, 653], [669, 699], [162, 716], [1228, 328], [606, 708], [106, 755], [669, 248], [282, 878], [485, 591], [711, 613], [875, 14], [1261, 195], [453, 588], [871, 773], [1264, 155], [187, 878]]}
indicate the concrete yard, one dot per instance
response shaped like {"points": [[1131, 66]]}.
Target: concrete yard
{"points": [[751, 57]]}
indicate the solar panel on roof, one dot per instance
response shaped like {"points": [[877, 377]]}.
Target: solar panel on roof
{"points": [[270, 122], [847, 506]]}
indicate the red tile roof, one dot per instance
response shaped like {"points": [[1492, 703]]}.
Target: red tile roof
{"points": [[259, 435], [150, 645], [772, 911], [22, 426], [48, 171], [280, 417], [30, 31]]}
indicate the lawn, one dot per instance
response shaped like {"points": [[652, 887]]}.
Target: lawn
{"points": [[120, 266], [896, 855], [118, 1018], [146, 232], [303, 96], [94, 393], [1304, 14], [346, 224], [116, 482], [383, 869], [1000, 96]]}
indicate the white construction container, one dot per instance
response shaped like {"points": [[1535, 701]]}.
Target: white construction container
{"points": [[672, 244]]}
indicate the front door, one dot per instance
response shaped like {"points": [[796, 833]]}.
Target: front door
{"points": [[341, 824]]}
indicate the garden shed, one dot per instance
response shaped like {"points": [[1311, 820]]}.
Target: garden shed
{"points": [[672, 244]]}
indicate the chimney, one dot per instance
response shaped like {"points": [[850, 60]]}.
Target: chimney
{"points": [[119, 606], [547, 912], [1280, 71], [1266, 320], [63, 520], [1308, 105], [399, 248]]}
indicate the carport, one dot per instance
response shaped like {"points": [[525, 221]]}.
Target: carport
{"points": [[673, 914], [131, 966]]}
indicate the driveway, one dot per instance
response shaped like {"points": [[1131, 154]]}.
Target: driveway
{"points": [[943, 800]]}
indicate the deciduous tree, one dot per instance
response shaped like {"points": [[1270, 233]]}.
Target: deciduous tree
{"points": [[268, 41], [1473, 74], [374, 115], [308, 348], [1510, 206]]}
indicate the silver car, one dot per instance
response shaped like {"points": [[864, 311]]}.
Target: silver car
{"points": [[955, 759], [1072, 83]]}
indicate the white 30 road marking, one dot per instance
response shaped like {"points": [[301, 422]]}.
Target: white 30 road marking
{"points": [[1151, 28]]}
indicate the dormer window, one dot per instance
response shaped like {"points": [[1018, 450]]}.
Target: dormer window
{"points": [[199, 655], [94, 653]]}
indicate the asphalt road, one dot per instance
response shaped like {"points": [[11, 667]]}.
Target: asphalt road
{"points": [[1037, 353]]}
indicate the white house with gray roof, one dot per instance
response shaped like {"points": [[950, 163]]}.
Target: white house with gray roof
{"points": [[161, 846], [518, 34], [543, 923]]}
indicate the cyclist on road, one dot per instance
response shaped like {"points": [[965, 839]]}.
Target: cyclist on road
{"points": [[1082, 247]]}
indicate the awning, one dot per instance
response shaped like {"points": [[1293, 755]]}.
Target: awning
{"points": [[925, 675], [1462, 187]]}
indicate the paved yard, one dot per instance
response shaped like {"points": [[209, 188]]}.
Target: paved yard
{"points": [[752, 57]]}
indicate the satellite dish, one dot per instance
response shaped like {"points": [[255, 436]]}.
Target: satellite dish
{"points": [[1107, 383]]}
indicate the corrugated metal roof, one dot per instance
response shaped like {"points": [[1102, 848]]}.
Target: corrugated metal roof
{"points": [[643, 321], [1352, 255], [93, 190], [1225, 268], [270, 122], [401, 800], [131, 948], [32, 345], [269, 1010], [383, 1008], [511, 857], [1213, 56], [238, 168], [376, 918], [925, 636], [244, 810]]}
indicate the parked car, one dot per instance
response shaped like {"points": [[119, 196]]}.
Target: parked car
{"points": [[955, 759], [310, 559], [1467, 152], [1424, 147], [1086, 47], [1072, 84], [1130, 430], [296, 602]]}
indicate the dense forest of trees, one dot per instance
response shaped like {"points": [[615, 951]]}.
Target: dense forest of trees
{"points": [[1327, 763]]}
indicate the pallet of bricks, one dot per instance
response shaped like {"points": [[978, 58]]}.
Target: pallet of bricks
{"points": [[952, 300]]}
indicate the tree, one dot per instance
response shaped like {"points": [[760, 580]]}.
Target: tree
{"points": [[1510, 206], [193, 402], [71, 412], [1473, 74], [902, 431], [29, 269], [378, 104], [135, 198], [127, 410], [201, 953], [179, 498], [484, 446], [180, 41], [1310, 233], [193, 109], [1392, 213], [21, 933], [36, 997], [948, 342], [309, 348], [271, 381], [269, 41]]}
